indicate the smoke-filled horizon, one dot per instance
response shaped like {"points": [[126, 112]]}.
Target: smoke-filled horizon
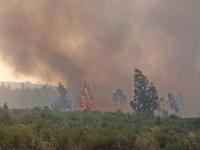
{"points": [[103, 41]]}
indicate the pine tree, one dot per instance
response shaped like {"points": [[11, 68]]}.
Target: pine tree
{"points": [[63, 102]]}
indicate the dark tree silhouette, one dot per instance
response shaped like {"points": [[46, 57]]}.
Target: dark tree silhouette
{"points": [[118, 97], [5, 107], [175, 102], [146, 99], [63, 102]]}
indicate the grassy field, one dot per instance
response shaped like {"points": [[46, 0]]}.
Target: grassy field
{"points": [[45, 129]]}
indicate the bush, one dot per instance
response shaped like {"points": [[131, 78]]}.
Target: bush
{"points": [[31, 129]]}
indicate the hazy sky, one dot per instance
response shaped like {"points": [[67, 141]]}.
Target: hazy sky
{"points": [[102, 41]]}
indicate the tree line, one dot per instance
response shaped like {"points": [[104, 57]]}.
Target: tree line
{"points": [[146, 100]]}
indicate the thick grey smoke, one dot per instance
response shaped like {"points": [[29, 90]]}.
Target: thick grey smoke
{"points": [[103, 41]]}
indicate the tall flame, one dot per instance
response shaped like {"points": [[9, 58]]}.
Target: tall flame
{"points": [[86, 103]]}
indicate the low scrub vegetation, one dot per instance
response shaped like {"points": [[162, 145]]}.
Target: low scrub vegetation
{"points": [[42, 128]]}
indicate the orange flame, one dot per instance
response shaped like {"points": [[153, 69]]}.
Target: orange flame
{"points": [[86, 99]]}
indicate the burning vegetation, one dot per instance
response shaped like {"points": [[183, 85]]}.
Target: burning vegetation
{"points": [[144, 99], [59, 127], [87, 100]]}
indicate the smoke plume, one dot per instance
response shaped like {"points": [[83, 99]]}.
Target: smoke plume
{"points": [[103, 41]]}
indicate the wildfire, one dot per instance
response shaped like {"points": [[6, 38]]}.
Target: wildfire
{"points": [[86, 99]]}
